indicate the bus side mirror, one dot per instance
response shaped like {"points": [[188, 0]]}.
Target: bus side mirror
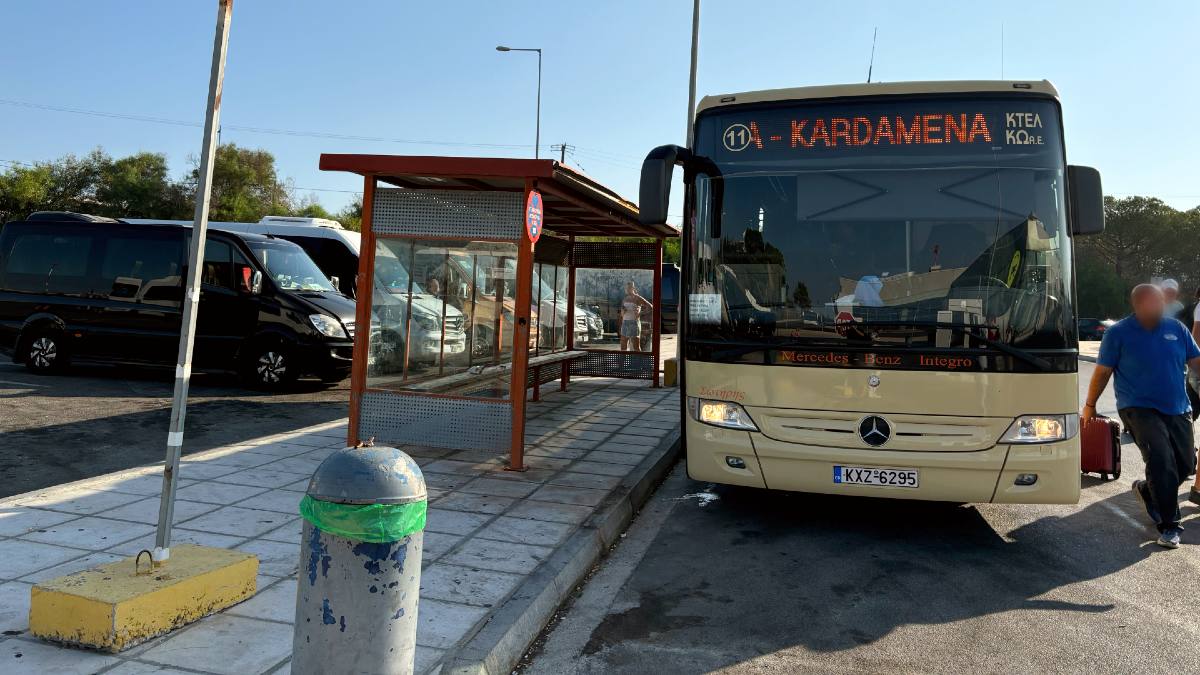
{"points": [[1086, 200], [654, 197]]}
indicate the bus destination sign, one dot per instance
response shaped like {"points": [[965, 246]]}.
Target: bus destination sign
{"points": [[910, 127]]}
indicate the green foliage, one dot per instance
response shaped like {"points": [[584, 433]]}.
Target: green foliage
{"points": [[351, 216], [1103, 294], [672, 250], [1143, 238], [246, 187], [139, 184], [23, 190]]}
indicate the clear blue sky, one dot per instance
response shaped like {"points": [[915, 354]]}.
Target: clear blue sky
{"points": [[615, 80]]}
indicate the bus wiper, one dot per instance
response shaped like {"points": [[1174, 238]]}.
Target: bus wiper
{"points": [[1037, 361]]}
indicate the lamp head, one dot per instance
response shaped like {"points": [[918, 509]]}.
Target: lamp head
{"points": [[503, 49]]}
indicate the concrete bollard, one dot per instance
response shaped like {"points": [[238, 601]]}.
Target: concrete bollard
{"points": [[360, 564]]}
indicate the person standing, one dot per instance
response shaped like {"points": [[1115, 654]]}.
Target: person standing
{"points": [[1170, 290], [631, 315], [1148, 352]]}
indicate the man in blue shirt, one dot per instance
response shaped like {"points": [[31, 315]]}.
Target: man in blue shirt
{"points": [[1149, 354]]}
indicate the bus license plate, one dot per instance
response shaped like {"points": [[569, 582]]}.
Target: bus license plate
{"points": [[876, 476]]}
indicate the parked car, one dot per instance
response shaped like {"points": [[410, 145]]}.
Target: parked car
{"points": [[77, 290], [1091, 329]]}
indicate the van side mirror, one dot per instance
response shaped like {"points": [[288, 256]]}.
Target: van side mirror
{"points": [[336, 282], [654, 196], [1086, 200], [251, 280]]}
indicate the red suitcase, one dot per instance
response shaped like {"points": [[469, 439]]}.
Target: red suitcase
{"points": [[1100, 450]]}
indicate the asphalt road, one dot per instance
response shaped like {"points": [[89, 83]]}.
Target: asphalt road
{"points": [[749, 581], [95, 420]]}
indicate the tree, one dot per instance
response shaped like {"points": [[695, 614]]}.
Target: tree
{"points": [[1137, 236], [671, 250], [138, 186], [23, 190], [351, 216], [245, 185], [310, 207], [1103, 293]]}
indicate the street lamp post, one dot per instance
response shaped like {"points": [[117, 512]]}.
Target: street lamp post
{"points": [[538, 128]]}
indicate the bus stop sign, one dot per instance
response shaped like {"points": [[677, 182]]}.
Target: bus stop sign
{"points": [[533, 215]]}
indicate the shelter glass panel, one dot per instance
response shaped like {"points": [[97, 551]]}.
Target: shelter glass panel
{"points": [[621, 299], [445, 313], [550, 313]]}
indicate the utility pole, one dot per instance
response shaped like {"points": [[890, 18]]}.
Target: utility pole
{"points": [[191, 298], [563, 149], [691, 112]]}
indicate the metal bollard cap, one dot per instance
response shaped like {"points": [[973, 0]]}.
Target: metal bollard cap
{"points": [[368, 475]]}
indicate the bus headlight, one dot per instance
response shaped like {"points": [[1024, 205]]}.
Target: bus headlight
{"points": [[720, 414], [1041, 429]]}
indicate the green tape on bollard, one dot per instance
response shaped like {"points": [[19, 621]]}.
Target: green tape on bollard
{"points": [[375, 523]]}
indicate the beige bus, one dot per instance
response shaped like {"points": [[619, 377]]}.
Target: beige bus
{"points": [[878, 294]]}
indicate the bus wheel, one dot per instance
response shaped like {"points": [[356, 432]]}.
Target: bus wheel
{"points": [[271, 365], [44, 351]]}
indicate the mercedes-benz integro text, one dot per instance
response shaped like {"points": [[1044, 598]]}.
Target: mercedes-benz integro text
{"points": [[878, 293], [105, 290]]}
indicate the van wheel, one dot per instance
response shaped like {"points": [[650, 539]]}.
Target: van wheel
{"points": [[44, 352], [271, 366]]}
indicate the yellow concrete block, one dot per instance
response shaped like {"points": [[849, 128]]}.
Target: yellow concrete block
{"points": [[111, 608], [670, 372]]}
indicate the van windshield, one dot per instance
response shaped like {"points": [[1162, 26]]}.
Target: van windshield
{"points": [[290, 267]]}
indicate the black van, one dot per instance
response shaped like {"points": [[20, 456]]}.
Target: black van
{"points": [[113, 292]]}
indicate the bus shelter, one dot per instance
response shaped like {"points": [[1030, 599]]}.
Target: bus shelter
{"points": [[477, 268]]}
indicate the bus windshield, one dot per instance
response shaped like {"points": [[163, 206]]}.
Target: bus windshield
{"points": [[886, 224]]}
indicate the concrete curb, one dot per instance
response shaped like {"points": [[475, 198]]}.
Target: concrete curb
{"points": [[499, 645], [1087, 357]]}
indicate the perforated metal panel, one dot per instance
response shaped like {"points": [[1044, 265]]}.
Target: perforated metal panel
{"points": [[552, 251], [544, 374], [630, 365], [615, 254], [396, 419], [462, 214]]}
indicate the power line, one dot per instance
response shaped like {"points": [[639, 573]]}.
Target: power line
{"points": [[255, 130]]}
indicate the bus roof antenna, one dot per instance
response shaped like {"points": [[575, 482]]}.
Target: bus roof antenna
{"points": [[871, 65]]}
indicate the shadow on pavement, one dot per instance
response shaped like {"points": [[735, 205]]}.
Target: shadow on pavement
{"points": [[759, 572], [35, 458]]}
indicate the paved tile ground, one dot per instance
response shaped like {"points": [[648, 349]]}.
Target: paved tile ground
{"points": [[487, 529]]}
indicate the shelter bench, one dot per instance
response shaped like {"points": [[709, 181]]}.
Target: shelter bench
{"points": [[546, 362]]}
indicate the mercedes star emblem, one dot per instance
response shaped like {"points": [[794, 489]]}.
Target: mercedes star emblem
{"points": [[873, 381], [874, 430]]}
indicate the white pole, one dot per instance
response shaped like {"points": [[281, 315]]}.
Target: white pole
{"points": [[191, 298]]}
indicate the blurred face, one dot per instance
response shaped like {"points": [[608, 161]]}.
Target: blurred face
{"points": [[630, 288], [1169, 294], [1148, 304]]}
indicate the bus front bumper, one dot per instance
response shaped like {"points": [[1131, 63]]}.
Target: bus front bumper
{"points": [[984, 476]]}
